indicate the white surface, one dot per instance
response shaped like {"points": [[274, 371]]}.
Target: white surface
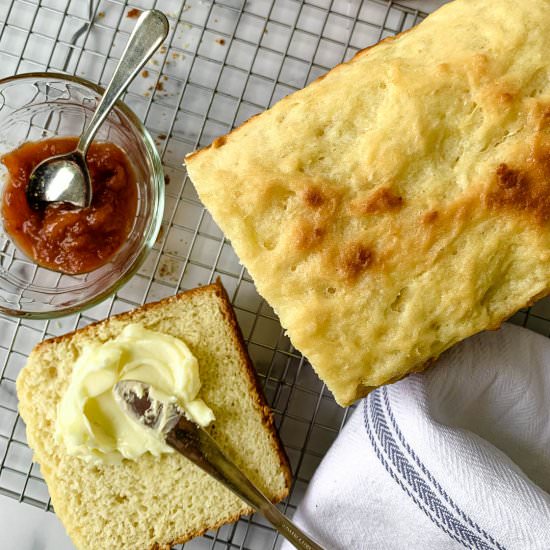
{"points": [[458, 452], [24, 527]]}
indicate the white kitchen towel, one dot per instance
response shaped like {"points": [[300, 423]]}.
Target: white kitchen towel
{"points": [[457, 456]]}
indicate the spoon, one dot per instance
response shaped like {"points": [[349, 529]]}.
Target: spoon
{"points": [[142, 404], [65, 178]]}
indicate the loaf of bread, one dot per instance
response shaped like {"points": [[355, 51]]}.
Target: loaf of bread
{"points": [[401, 202], [156, 502]]}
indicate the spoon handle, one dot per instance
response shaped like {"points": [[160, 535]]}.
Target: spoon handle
{"points": [[150, 31], [199, 447]]}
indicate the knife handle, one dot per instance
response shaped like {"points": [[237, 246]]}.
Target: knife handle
{"points": [[198, 446]]}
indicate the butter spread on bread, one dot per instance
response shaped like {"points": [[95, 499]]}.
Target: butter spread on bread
{"points": [[400, 203], [91, 424]]}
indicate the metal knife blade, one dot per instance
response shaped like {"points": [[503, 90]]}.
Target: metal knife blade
{"points": [[142, 404]]}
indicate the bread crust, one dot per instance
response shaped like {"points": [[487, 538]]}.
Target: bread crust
{"points": [[254, 383]]}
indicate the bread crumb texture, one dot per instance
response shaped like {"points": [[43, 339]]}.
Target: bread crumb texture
{"points": [[400, 203], [155, 502]]}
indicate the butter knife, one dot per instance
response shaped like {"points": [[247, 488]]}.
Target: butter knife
{"points": [[142, 405]]}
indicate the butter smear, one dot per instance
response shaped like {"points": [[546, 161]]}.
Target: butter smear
{"points": [[91, 424]]}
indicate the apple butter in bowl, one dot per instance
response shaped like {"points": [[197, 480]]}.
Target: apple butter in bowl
{"points": [[62, 237]]}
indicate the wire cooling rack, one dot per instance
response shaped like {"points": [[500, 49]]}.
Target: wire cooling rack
{"points": [[224, 61]]}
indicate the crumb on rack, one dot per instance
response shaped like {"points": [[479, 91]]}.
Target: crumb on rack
{"points": [[101, 15], [164, 270], [175, 55], [168, 268], [163, 49], [166, 179], [162, 136], [145, 73], [160, 86], [133, 13], [220, 41]]}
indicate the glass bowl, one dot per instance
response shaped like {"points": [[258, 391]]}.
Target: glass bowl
{"points": [[37, 106]]}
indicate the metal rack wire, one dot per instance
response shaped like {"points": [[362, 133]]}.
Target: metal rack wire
{"points": [[224, 61]]}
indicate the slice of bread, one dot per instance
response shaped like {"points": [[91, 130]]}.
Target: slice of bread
{"points": [[153, 503], [400, 203]]}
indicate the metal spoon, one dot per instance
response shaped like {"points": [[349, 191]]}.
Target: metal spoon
{"points": [[141, 403], [65, 178]]}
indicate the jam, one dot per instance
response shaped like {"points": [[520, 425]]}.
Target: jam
{"points": [[60, 237]]}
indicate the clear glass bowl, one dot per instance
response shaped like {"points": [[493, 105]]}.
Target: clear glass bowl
{"points": [[37, 106]]}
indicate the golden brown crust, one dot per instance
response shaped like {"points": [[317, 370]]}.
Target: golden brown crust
{"points": [[254, 384], [353, 260], [523, 190], [321, 204], [379, 201]]}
